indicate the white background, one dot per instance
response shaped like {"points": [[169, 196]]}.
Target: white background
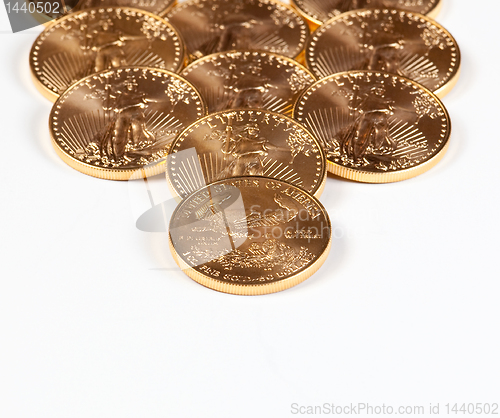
{"points": [[97, 321]]}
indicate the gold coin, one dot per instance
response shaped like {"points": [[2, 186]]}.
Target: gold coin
{"points": [[249, 142], [210, 26], [245, 79], [375, 127], [59, 8], [318, 12], [157, 7], [116, 122], [393, 41], [94, 40], [250, 236]]}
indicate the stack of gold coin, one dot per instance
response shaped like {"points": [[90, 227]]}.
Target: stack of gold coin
{"points": [[245, 133]]}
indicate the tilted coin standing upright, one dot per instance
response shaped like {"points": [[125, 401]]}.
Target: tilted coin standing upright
{"points": [[250, 235], [249, 142], [375, 127], [318, 12], [114, 123], [246, 79], [94, 40], [210, 26], [395, 41]]}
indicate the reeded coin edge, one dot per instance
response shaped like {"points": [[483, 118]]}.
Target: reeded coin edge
{"points": [[387, 177], [455, 65], [246, 289], [363, 176], [320, 184], [151, 169], [49, 92]]}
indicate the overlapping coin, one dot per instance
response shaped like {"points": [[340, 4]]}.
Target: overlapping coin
{"points": [[245, 79], [59, 8], [157, 7], [250, 235], [318, 12], [94, 40], [394, 41], [375, 127], [114, 123], [249, 222], [210, 26], [249, 142]]}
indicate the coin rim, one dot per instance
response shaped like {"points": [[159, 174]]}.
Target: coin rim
{"points": [[161, 13], [50, 94], [314, 23], [254, 289], [363, 176], [441, 91], [151, 169]]}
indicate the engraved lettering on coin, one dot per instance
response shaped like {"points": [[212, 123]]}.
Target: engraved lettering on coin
{"points": [[122, 120], [250, 235], [90, 41], [246, 143], [319, 11], [233, 80], [394, 41], [375, 127], [211, 26]]}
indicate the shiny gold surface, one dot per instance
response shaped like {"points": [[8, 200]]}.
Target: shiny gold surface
{"points": [[250, 236], [113, 123], [375, 127], [93, 40], [394, 41], [318, 12], [246, 143], [210, 26], [244, 79], [157, 7]]}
